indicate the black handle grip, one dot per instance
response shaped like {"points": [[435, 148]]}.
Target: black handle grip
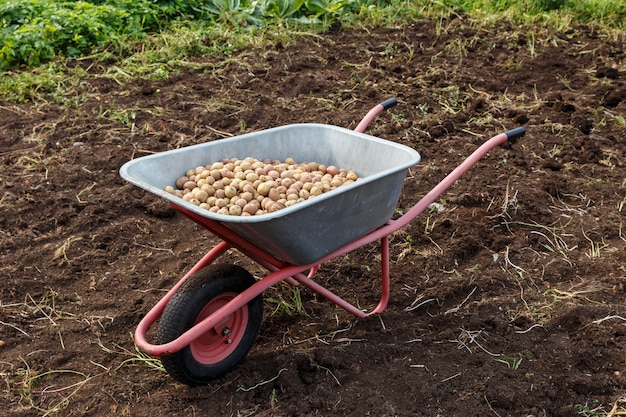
{"points": [[513, 134], [390, 102]]}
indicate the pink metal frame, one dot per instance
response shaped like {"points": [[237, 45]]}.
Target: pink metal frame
{"points": [[295, 274]]}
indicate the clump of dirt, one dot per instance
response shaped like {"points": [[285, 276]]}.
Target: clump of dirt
{"points": [[509, 301]]}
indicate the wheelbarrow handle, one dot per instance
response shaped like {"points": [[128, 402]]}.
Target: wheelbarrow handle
{"points": [[394, 225], [390, 102], [516, 133], [375, 111]]}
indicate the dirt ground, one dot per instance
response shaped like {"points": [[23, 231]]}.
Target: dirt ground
{"points": [[509, 302]]}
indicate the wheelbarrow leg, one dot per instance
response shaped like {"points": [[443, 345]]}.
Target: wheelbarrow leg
{"points": [[384, 266], [340, 302]]}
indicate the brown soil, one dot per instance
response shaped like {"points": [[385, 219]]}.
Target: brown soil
{"points": [[510, 302]]}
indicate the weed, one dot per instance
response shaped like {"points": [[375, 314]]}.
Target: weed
{"points": [[246, 389], [559, 296], [531, 44], [594, 410], [328, 372], [554, 237], [287, 301], [467, 338], [82, 192], [405, 245], [423, 109], [399, 118], [38, 32], [511, 362], [453, 100], [36, 164], [555, 151], [513, 64], [49, 393], [565, 82], [249, 412], [595, 247], [60, 253], [133, 357], [614, 118]]}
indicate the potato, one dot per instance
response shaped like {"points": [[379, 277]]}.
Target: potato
{"points": [[275, 206], [250, 209], [315, 190], [180, 183], [332, 170], [251, 187], [274, 194], [208, 189], [265, 187], [201, 195], [230, 191], [234, 210]]}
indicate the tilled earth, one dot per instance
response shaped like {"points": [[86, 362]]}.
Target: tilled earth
{"points": [[508, 302]]}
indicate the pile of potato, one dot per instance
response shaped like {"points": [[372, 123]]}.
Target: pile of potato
{"points": [[252, 187]]}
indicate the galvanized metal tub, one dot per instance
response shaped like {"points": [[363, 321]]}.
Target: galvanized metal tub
{"points": [[305, 232]]}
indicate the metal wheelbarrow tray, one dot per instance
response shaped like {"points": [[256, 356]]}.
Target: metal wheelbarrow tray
{"points": [[209, 320], [307, 231]]}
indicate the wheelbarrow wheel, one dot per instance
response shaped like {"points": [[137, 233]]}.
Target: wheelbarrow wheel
{"points": [[219, 350]]}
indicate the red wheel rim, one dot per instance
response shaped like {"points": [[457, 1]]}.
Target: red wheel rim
{"points": [[219, 342]]}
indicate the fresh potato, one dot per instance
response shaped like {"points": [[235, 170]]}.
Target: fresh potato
{"points": [[251, 187]]}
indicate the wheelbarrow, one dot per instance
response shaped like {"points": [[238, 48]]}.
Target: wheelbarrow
{"points": [[209, 320]]}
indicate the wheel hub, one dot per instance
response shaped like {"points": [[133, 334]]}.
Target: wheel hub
{"points": [[219, 342]]}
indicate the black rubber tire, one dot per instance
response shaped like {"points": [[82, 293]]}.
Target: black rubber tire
{"points": [[183, 309]]}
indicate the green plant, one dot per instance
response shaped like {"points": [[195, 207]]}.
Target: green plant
{"points": [[151, 38], [555, 151], [283, 9], [49, 399], [621, 204], [133, 357], [37, 31], [327, 10], [594, 410], [399, 118], [595, 247], [511, 362], [233, 12], [287, 301]]}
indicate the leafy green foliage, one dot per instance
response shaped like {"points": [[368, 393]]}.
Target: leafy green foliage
{"points": [[33, 32], [283, 9], [612, 12], [233, 12]]}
